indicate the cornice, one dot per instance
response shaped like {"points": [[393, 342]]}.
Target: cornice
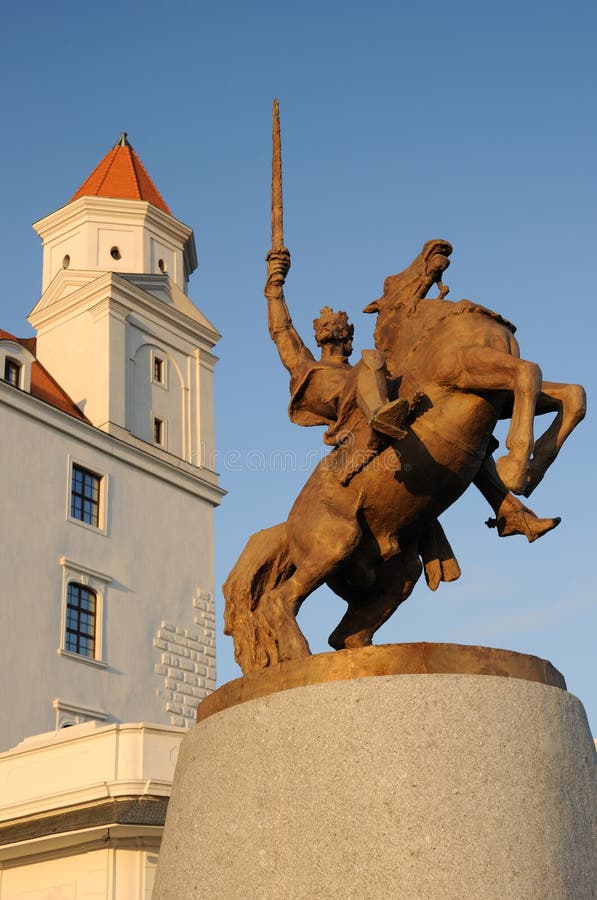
{"points": [[48, 313], [147, 302], [70, 564], [91, 284], [208, 358], [197, 481], [57, 846], [83, 734], [204, 329], [109, 306], [90, 794], [138, 212]]}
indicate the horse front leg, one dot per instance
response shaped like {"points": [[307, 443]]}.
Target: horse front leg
{"points": [[480, 369], [568, 401]]}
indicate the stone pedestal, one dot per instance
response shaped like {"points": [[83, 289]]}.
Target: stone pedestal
{"points": [[416, 786]]}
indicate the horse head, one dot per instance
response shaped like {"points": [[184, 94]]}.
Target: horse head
{"points": [[414, 282]]}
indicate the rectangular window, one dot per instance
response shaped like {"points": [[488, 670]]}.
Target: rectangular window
{"points": [[80, 620], [158, 370], [85, 495], [158, 431]]}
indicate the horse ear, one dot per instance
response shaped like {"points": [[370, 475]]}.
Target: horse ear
{"points": [[372, 307]]}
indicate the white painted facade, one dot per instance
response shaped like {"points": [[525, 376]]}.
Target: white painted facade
{"points": [[150, 561], [110, 849], [118, 333]]}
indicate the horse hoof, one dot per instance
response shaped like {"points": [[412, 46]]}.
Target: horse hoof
{"points": [[534, 478], [515, 479]]}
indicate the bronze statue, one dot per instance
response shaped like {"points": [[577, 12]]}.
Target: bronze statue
{"points": [[411, 428]]}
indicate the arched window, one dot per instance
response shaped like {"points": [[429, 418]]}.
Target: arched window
{"points": [[12, 372], [81, 603]]}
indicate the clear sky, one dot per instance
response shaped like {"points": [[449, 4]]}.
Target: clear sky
{"points": [[472, 121]]}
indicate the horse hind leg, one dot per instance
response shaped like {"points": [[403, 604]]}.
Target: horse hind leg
{"points": [[276, 621], [264, 564], [363, 619], [359, 623], [330, 544]]}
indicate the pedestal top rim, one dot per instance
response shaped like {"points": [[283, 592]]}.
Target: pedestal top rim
{"points": [[386, 659]]}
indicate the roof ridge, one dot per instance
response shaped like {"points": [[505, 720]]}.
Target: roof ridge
{"points": [[76, 411], [112, 154], [29, 342], [142, 174], [131, 159]]}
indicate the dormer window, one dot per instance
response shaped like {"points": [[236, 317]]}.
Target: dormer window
{"points": [[12, 372], [16, 362]]}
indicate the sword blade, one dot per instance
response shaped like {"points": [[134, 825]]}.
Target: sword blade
{"points": [[277, 201]]}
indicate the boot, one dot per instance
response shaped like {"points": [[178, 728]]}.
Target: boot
{"points": [[514, 518]]}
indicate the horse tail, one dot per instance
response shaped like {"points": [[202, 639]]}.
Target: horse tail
{"points": [[263, 565]]}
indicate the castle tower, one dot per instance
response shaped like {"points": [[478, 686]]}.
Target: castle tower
{"points": [[114, 323], [108, 460]]}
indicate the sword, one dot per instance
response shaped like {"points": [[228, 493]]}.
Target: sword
{"points": [[277, 208]]}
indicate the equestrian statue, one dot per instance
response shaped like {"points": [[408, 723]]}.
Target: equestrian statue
{"points": [[410, 427]]}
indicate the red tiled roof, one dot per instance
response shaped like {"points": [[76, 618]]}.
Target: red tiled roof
{"points": [[28, 343], [121, 175], [43, 386]]}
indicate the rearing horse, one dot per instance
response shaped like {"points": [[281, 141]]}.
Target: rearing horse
{"points": [[458, 365]]}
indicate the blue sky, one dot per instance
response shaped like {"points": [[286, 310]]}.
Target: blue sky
{"points": [[401, 122]]}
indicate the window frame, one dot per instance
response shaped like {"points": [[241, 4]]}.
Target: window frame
{"points": [[10, 361], [91, 579], [161, 357], [18, 354], [75, 632], [155, 422], [104, 483], [69, 714]]}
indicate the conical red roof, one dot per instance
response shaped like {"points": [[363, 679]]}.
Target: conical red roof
{"points": [[121, 175]]}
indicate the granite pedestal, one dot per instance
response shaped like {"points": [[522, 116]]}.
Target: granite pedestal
{"points": [[420, 786]]}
